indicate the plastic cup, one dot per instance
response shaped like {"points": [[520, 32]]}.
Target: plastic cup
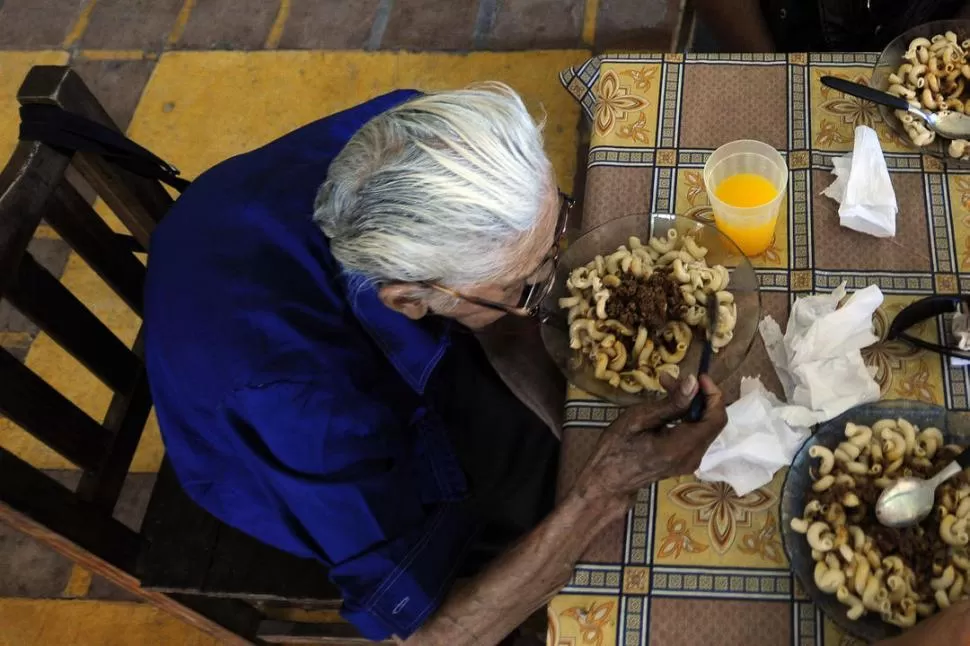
{"points": [[750, 227]]}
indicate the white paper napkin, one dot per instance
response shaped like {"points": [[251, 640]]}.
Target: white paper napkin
{"points": [[863, 189], [754, 444], [819, 363]]}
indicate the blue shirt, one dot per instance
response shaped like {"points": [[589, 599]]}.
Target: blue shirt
{"points": [[290, 399]]}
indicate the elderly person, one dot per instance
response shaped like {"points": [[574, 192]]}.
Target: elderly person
{"points": [[316, 313]]}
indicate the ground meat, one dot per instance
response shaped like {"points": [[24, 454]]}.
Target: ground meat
{"points": [[649, 302], [920, 546]]}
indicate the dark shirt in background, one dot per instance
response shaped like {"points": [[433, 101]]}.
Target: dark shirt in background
{"points": [[848, 25]]}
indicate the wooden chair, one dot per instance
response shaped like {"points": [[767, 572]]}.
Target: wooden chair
{"points": [[183, 560]]}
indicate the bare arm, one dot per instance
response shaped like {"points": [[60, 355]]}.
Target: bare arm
{"points": [[634, 451], [486, 609], [737, 24]]}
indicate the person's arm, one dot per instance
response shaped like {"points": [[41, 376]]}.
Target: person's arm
{"points": [[635, 450], [737, 25], [320, 473]]}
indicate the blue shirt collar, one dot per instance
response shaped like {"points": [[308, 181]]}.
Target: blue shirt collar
{"points": [[414, 348]]}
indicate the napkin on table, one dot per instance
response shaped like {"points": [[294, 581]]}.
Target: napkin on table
{"points": [[863, 189], [819, 363], [754, 444]]}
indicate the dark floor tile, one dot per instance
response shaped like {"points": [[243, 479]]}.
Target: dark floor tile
{"points": [[431, 24], [28, 568], [131, 24], [229, 24], [328, 24], [18, 348], [644, 25], [133, 500], [116, 84], [81, 185], [537, 24], [51, 253], [11, 320], [130, 510], [67, 477], [36, 24], [103, 590]]}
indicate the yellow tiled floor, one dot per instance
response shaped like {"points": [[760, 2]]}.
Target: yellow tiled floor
{"points": [[36, 622], [197, 109]]}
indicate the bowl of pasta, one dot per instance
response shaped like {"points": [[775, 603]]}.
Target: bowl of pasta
{"points": [[929, 66], [875, 581], [630, 304]]}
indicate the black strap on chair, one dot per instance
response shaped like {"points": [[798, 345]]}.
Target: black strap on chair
{"points": [[70, 132]]}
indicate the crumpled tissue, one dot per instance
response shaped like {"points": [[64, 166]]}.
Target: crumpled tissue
{"points": [[867, 201], [754, 444], [960, 331], [819, 363]]}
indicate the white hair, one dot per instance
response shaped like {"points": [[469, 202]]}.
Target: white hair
{"points": [[442, 188]]}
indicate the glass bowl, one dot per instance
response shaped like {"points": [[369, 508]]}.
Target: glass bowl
{"points": [[604, 240], [890, 60], [956, 430]]}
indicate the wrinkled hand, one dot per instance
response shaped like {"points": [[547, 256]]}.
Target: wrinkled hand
{"points": [[950, 627], [638, 448]]}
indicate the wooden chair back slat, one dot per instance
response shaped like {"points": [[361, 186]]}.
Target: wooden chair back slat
{"points": [[49, 416], [77, 223], [113, 185], [139, 202], [28, 498], [45, 301], [79, 524], [24, 189], [126, 418]]}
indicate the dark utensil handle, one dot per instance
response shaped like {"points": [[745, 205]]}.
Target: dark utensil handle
{"points": [[699, 403], [964, 459], [865, 92]]}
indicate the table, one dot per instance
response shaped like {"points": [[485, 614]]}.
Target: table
{"points": [[694, 564]]}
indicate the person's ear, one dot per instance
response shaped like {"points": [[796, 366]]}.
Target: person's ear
{"points": [[404, 298]]}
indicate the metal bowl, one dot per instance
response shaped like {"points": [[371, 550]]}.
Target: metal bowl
{"points": [[890, 60], [604, 240], [956, 430]]}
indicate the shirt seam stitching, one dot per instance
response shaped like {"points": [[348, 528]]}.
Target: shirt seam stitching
{"points": [[432, 602], [409, 558]]}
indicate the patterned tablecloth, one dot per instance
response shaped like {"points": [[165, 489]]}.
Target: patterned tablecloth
{"points": [[693, 564]]}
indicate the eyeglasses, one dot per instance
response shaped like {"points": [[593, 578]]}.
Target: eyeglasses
{"points": [[538, 284]]}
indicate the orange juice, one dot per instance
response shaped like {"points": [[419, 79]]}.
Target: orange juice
{"points": [[747, 190]]}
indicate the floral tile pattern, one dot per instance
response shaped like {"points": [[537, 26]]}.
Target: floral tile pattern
{"points": [[694, 563], [691, 193], [836, 115], [707, 524], [582, 620], [625, 112]]}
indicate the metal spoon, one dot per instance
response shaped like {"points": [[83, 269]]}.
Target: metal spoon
{"points": [[952, 125], [911, 500]]}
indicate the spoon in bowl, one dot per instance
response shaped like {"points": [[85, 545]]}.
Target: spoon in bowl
{"points": [[950, 124], [910, 500]]}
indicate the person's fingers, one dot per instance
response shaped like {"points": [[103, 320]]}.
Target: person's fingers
{"points": [[646, 417], [680, 391], [714, 410]]}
